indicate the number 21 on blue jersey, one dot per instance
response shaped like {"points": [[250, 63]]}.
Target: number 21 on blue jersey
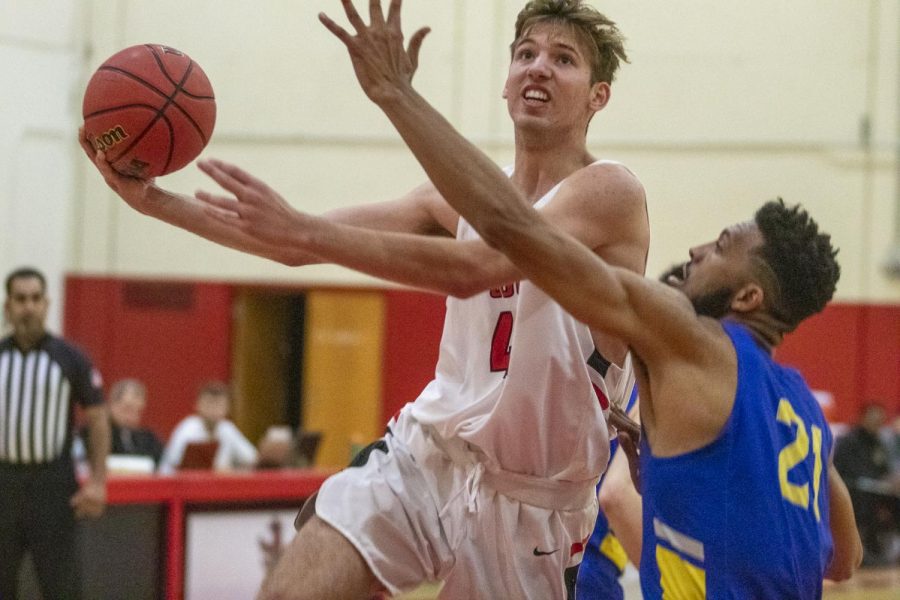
{"points": [[806, 494]]}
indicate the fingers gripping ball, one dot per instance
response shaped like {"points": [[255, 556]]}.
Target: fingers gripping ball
{"points": [[150, 108]]}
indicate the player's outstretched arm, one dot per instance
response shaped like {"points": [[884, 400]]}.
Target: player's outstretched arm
{"points": [[420, 211], [848, 548], [587, 207], [257, 220], [180, 210]]}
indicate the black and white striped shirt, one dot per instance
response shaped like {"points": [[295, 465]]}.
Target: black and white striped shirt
{"points": [[38, 391]]}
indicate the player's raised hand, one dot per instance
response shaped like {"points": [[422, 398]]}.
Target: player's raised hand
{"points": [[382, 65]]}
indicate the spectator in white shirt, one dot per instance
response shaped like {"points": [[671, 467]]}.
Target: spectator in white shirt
{"points": [[210, 423]]}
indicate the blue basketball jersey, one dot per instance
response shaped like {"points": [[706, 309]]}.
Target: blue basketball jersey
{"points": [[604, 557], [747, 515]]}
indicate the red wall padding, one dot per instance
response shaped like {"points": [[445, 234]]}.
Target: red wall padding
{"points": [[413, 325], [175, 335], [851, 351], [171, 335]]}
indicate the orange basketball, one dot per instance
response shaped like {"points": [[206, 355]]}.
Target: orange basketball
{"points": [[150, 108]]}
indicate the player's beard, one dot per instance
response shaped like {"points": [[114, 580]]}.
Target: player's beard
{"points": [[714, 304]]}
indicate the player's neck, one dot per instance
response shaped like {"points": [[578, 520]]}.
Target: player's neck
{"points": [[765, 329], [540, 165]]}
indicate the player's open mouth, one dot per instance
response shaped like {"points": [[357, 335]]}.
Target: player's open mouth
{"points": [[536, 95], [676, 275]]}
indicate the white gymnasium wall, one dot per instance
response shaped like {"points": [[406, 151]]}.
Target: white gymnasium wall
{"points": [[725, 104], [40, 64]]}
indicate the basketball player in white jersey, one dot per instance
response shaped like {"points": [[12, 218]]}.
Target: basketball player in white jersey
{"points": [[487, 480]]}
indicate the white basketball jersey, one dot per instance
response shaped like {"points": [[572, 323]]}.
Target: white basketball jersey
{"points": [[513, 379]]}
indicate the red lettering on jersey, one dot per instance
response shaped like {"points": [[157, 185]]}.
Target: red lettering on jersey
{"points": [[500, 348], [505, 291], [578, 546], [601, 397]]}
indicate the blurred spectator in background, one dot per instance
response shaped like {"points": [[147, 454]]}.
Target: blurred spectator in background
{"points": [[210, 423], [277, 448], [862, 459], [127, 402], [891, 437]]}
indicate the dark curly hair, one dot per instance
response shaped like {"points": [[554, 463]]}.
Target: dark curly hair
{"points": [[801, 258], [599, 35]]}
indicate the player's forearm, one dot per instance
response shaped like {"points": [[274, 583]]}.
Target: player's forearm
{"points": [[621, 504], [402, 216], [847, 544], [436, 264]]}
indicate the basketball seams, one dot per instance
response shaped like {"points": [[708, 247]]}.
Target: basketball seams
{"points": [[169, 99], [144, 75], [169, 147], [165, 71], [112, 109], [162, 66], [171, 102]]}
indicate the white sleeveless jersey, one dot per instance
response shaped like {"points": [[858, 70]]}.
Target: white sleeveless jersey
{"points": [[513, 379]]}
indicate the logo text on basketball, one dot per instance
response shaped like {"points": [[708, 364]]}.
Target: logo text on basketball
{"points": [[107, 140]]}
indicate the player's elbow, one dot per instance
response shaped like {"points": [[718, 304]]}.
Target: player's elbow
{"points": [[846, 561], [839, 573], [467, 278], [464, 285]]}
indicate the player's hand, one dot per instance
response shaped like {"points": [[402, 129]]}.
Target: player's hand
{"points": [[134, 191], [90, 500], [382, 65], [629, 446], [619, 419], [255, 209], [629, 436]]}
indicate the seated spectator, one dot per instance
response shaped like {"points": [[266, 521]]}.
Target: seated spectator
{"points": [[127, 402], [276, 448], [862, 460], [891, 438], [210, 423]]}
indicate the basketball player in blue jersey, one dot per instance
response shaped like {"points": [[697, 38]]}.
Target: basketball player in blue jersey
{"points": [[740, 496]]}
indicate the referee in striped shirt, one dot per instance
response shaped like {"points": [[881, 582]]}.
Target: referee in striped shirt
{"points": [[42, 377]]}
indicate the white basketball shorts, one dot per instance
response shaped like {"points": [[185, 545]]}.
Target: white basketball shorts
{"points": [[415, 515]]}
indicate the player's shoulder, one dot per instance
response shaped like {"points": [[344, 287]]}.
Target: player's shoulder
{"points": [[609, 185], [436, 215]]}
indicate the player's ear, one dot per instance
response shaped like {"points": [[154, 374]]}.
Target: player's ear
{"points": [[600, 95], [748, 298]]}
